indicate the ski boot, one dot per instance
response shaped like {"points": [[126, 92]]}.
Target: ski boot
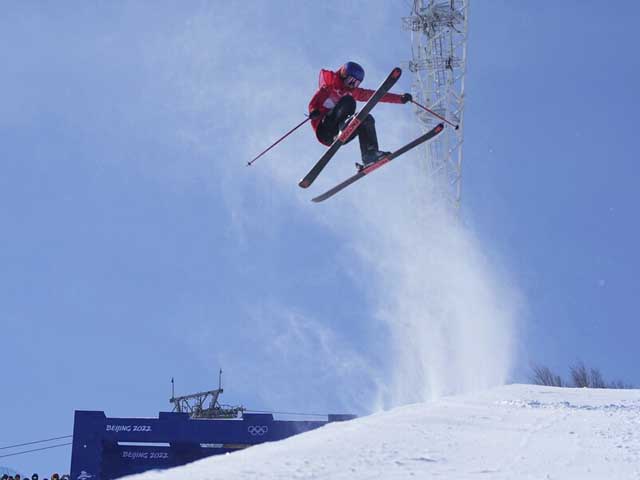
{"points": [[371, 157]]}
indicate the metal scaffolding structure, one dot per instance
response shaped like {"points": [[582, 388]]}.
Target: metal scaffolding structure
{"points": [[439, 46], [196, 404]]}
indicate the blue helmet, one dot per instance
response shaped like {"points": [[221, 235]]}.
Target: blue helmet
{"points": [[352, 74]]}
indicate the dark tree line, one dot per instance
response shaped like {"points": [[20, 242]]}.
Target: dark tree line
{"points": [[580, 376]]}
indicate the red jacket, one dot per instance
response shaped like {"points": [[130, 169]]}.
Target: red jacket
{"points": [[332, 88]]}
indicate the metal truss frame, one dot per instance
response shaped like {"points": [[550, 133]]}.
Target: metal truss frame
{"points": [[439, 47]]}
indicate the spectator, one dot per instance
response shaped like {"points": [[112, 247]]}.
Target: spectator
{"points": [[34, 476]]}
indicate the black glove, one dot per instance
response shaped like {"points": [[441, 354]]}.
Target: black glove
{"points": [[406, 98], [314, 114]]}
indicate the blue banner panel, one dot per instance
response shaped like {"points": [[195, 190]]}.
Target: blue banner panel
{"points": [[108, 448]]}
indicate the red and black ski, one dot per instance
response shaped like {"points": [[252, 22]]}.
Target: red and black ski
{"points": [[384, 160], [351, 127]]}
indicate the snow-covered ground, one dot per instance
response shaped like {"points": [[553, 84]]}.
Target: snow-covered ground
{"points": [[510, 432]]}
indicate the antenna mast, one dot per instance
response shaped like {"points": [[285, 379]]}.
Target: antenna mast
{"points": [[439, 46]]}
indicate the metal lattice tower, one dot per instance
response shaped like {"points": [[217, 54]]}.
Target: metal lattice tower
{"points": [[196, 404], [439, 45]]}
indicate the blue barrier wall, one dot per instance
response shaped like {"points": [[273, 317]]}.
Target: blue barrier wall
{"points": [[107, 448]]}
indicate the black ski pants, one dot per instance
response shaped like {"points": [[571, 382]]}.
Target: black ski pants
{"points": [[336, 119]]}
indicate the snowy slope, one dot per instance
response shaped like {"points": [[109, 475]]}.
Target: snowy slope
{"points": [[516, 431]]}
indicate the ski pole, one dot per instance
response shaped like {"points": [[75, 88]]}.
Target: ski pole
{"points": [[435, 114], [279, 140]]}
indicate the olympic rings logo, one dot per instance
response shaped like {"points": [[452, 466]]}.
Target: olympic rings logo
{"points": [[258, 430]]}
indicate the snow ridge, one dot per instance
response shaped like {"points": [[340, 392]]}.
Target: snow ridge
{"points": [[515, 431]]}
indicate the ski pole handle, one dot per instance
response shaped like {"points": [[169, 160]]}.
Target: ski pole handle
{"points": [[435, 114], [279, 140]]}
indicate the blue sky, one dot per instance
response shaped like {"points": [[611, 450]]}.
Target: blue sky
{"points": [[137, 246]]}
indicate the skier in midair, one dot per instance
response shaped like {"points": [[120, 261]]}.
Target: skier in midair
{"points": [[334, 104]]}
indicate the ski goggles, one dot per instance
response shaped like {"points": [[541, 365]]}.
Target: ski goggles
{"points": [[351, 81]]}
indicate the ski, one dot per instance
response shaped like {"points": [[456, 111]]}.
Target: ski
{"points": [[351, 127], [374, 166]]}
